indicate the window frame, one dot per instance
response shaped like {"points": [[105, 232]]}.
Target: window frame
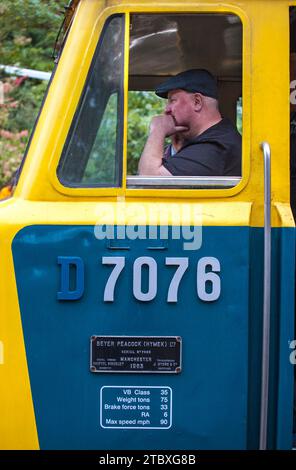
{"points": [[166, 192]]}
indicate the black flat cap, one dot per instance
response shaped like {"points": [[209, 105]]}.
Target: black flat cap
{"points": [[194, 80]]}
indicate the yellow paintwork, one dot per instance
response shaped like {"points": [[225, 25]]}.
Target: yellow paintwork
{"points": [[265, 85], [64, 95], [40, 199], [17, 423]]}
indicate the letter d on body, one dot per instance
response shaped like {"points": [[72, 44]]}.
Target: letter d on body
{"points": [[66, 293]]}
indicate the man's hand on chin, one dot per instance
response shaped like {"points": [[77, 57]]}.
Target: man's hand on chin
{"points": [[165, 124]]}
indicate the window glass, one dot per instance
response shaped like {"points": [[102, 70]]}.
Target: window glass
{"points": [[101, 163], [93, 151]]}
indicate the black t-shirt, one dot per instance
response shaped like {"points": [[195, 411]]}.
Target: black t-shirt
{"points": [[215, 152]]}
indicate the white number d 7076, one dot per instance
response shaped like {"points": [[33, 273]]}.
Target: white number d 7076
{"points": [[208, 282]]}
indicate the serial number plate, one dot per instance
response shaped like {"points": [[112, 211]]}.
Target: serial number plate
{"points": [[150, 354]]}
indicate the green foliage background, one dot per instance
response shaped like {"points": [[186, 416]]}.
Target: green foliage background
{"points": [[28, 29], [142, 105]]}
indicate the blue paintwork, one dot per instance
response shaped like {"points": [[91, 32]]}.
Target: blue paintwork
{"points": [[216, 397]]}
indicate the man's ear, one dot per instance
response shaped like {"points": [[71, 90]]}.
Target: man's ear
{"points": [[198, 101]]}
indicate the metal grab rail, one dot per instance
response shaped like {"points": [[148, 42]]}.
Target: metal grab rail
{"points": [[266, 297]]}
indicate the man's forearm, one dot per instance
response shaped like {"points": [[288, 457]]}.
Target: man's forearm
{"points": [[151, 159]]}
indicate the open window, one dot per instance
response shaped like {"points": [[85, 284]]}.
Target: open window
{"points": [[162, 45]]}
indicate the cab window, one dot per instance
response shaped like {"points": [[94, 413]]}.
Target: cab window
{"points": [[160, 46]]}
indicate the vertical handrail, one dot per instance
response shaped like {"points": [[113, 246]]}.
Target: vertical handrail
{"points": [[266, 297]]}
